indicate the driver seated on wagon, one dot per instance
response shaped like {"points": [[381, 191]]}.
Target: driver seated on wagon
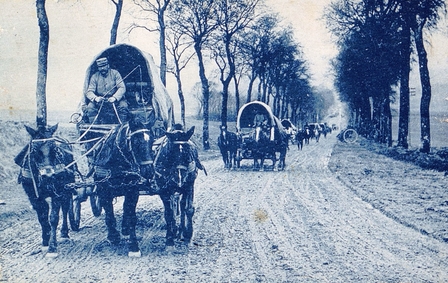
{"points": [[106, 102], [260, 120]]}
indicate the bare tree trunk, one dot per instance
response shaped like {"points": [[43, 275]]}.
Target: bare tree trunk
{"points": [[387, 130], [425, 127], [44, 39], [181, 96], [224, 101], [206, 97], [405, 61], [237, 94], [260, 83], [249, 89], [162, 48], [114, 29]]}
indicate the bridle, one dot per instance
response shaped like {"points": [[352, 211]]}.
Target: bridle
{"points": [[43, 171], [146, 137]]}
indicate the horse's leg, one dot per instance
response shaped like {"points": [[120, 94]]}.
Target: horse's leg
{"points": [[255, 163], [282, 160], [42, 210], [187, 212], [233, 159], [106, 202], [65, 205], [55, 206], [169, 219], [274, 161], [182, 228], [224, 156], [262, 162], [129, 207]]}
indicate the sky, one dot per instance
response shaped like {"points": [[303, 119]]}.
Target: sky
{"points": [[79, 30]]}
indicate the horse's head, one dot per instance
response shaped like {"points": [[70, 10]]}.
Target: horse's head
{"points": [[45, 158], [223, 129], [139, 141], [176, 159]]}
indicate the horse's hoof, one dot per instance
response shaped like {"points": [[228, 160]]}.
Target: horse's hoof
{"points": [[170, 249], [51, 255], [135, 254], [44, 248]]}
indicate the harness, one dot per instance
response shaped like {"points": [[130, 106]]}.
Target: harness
{"points": [[48, 170]]}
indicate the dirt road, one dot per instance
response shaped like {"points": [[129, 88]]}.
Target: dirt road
{"points": [[298, 225]]}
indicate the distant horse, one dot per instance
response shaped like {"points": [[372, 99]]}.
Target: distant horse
{"points": [[228, 145], [307, 135], [281, 145], [316, 133], [123, 165], [300, 137], [43, 175], [266, 148], [176, 168]]}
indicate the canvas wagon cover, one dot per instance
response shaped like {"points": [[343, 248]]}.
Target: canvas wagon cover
{"points": [[135, 67], [247, 113]]}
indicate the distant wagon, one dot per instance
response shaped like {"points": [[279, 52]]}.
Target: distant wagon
{"points": [[255, 115]]}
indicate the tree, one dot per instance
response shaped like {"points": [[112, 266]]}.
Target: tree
{"points": [[44, 39], [233, 17], [405, 69], [366, 68], [113, 32], [197, 20], [159, 9], [426, 15], [255, 48], [178, 47]]}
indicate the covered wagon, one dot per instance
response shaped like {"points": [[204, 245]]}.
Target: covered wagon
{"points": [[258, 115], [148, 103], [147, 97]]}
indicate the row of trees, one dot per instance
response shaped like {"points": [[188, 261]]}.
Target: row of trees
{"points": [[237, 38], [245, 43], [376, 39]]}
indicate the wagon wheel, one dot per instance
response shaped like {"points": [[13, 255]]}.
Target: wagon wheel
{"points": [[350, 136], [95, 203], [74, 213]]}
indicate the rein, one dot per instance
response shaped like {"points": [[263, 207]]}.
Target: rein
{"points": [[113, 104]]}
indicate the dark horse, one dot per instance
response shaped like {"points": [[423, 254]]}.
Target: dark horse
{"points": [[228, 145], [43, 175], [176, 167], [268, 142], [123, 165], [300, 137]]}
